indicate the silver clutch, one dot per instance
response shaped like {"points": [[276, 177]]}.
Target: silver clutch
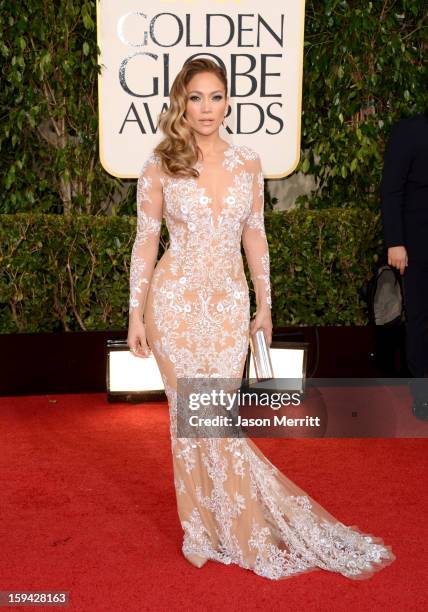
{"points": [[261, 355]]}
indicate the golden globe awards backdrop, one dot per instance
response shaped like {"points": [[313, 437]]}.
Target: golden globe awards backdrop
{"points": [[143, 46]]}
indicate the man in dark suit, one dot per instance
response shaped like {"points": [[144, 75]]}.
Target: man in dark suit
{"points": [[404, 204]]}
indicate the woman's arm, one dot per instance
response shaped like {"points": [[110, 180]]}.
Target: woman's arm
{"points": [[257, 253], [255, 242], [146, 245]]}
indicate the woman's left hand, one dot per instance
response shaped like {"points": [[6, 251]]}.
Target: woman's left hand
{"points": [[263, 320]]}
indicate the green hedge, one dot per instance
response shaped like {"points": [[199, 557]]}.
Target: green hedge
{"points": [[364, 68], [71, 273]]}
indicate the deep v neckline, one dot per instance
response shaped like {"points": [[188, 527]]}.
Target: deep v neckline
{"points": [[215, 221]]}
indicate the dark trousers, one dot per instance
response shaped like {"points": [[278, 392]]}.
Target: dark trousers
{"points": [[416, 303]]}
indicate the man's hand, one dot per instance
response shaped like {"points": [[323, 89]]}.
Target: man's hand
{"points": [[397, 257]]}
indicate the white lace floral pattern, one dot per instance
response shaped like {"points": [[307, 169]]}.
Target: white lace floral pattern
{"points": [[146, 241], [233, 504]]}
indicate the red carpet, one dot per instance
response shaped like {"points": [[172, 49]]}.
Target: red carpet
{"points": [[88, 506]]}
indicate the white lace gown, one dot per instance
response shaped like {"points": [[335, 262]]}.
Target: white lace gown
{"points": [[234, 505]]}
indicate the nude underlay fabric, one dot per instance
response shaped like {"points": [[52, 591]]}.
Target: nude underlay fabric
{"points": [[234, 505]]}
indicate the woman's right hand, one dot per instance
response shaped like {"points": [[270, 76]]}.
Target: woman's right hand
{"points": [[397, 257], [137, 340]]}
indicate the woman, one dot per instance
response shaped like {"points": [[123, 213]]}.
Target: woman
{"points": [[233, 504]]}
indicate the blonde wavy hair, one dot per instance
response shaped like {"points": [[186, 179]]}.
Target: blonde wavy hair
{"points": [[178, 150]]}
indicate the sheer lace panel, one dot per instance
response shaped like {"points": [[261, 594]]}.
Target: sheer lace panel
{"points": [[233, 504], [214, 225], [255, 242], [149, 222]]}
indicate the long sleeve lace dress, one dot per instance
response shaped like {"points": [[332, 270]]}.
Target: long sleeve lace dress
{"points": [[234, 505]]}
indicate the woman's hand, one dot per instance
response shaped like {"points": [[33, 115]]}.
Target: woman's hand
{"points": [[397, 257], [137, 340], [263, 320]]}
